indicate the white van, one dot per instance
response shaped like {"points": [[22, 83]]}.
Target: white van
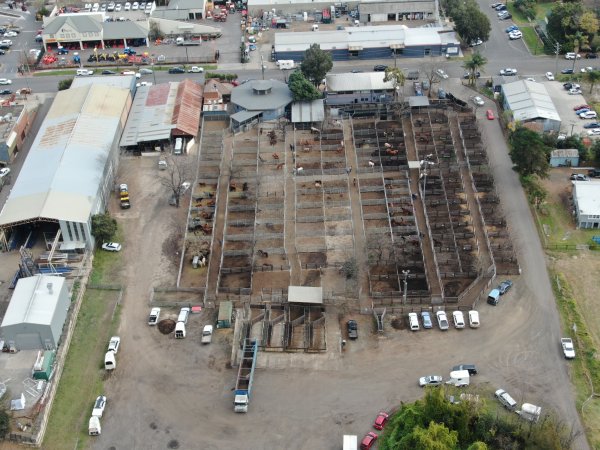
{"points": [[178, 149], [183, 315], [180, 330], [84, 72], [413, 321], [110, 363], [285, 64], [459, 378]]}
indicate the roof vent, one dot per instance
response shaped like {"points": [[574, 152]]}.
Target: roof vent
{"points": [[49, 286]]}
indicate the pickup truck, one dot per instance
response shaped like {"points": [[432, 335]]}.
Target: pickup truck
{"points": [[207, 333], [568, 348], [182, 41], [196, 69]]}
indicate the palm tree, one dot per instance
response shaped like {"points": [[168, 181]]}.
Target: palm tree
{"points": [[477, 61], [592, 77]]}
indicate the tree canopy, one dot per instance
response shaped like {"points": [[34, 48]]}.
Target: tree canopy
{"points": [[474, 64], [471, 24], [104, 228], [396, 76], [528, 152], [302, 89], [316, 64]]}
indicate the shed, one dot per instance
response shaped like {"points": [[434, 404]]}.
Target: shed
{"points": [[305, 294], [568, 157], [36, 313], [530, 102], [44, 366], [225, 312]]}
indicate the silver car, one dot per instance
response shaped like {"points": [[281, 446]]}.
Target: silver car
{"points": [[426, 319]]}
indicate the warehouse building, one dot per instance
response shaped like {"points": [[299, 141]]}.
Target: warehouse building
{"points": [[69, 172], [259, 100], [370, 42], [162, 113], [367, 87], [586, 198], [385, 11], [36, 313], [530, 104]]}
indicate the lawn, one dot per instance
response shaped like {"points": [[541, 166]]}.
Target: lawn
{"points": [[541, 11], [533, 42], [558, 226], [55, 73], [82, 378]]}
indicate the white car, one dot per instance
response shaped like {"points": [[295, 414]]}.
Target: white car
{"points": [[508, 72], [473, 319], [475, 43], [131, 72], [442, 320], [118, 7], [10, 34], [478, 101], [88, 6], [515, 35], [568, 348], [4, 171], [572, 55], [459, 319], [575, 91], [123, 187], [99, 406], [96, 7], [6, 42], [549, 76], [111, 246], [430, 380], [586, 69], [442, 74], [127, 6], [143, 83], [154, 315], [135, 6], [588, 115], [4, 81], [594, 132], [113, 344], [196, 69], [148, 6]]}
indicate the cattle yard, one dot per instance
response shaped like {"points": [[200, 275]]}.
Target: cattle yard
{"points": [[411, 197]]}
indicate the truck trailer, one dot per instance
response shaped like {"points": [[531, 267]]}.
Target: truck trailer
{"points": [[530, 412], [243, 385]]}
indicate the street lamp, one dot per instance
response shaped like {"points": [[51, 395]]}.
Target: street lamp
{"points": [[405, 273], [425, 164]]}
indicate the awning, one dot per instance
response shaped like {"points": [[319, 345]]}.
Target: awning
{"points": [[244, 116], [355, 48], [418, 100]]}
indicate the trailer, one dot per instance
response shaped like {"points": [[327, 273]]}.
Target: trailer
{"points": [[243, 385], [326, 15]]}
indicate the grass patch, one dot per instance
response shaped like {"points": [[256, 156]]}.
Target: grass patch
{"points": [[534, 44], [54, 73], [541, 11], [517, 16], [558, 227], [107, 265], [82, 378], [585, 372]]}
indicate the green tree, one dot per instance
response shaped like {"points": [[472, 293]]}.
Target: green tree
{"points": [[435, 437], [104, 227], [588, 23], [63, 85], [592, 77], [302, 89], [596, 150], [528, 152], [478, 446], [155, 31], [563, 22], [397, 77], [471, 24], [474, 64], [536, 193], [4, 423], [316, 64]]}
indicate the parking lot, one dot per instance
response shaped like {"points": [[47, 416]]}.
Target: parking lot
{"points": [[564, 103]]}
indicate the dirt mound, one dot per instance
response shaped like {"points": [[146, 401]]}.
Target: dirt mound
{"points": [[166, 326], [398, 324]]}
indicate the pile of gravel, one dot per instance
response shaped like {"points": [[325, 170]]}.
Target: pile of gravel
{"points": [[166, 326]]}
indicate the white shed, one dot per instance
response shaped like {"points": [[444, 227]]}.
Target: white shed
{"points": [[36, 313]]}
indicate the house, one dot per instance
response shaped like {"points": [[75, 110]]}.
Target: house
{"points": [[564, 158], [217, 96], [161, 113], [370, 42], [15, 123], [36, 313], [530, 103], [259, 100], [69, 172], [586, 198], [364, 87]]}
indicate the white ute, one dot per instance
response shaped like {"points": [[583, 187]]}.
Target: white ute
{"points": [[568, 348], [207, 333], [154, 315]]}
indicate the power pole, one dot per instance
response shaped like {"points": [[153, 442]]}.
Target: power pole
{"points": [[556, 59], [262, 66]]}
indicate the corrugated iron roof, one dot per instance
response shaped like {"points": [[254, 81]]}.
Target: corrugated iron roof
{"points": [[188, 106]]}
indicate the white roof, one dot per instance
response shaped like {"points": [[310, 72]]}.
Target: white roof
{"points": [[32, 301], [363, 81], [529, 100], [64, 169], [305, 294], [587, 196]]}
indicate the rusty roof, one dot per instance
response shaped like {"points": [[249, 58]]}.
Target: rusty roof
{"points": [[188, 106]]}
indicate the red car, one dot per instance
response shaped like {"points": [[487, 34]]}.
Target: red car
{"points": [[489, 114], [368, 441], [381, 420], [582, 107]]}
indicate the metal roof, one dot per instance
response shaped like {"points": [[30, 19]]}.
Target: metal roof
{"points": [[363, 37], [377, 6], [261, 95], [118, 81], [125, 30], [188, 107], [587, 195], [150, 118], [243, 116], [187, 4], [363, 81], [308, 111], [529, 100], [81, 23], [33, 302], [305, 294], [61, 175], [418, 100], [565, 153]]}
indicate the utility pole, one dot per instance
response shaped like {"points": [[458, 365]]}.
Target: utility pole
{"points": [[556, 60], [405, 273], [262, 66]]}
